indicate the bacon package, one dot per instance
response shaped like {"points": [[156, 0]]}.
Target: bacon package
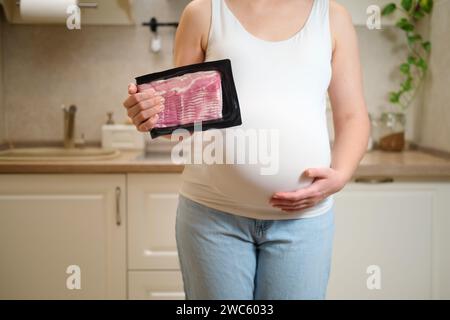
{"points": [[199, 93]]}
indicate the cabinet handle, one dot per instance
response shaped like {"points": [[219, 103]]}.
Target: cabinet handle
{"points": [[374, 180], [118, 217]]}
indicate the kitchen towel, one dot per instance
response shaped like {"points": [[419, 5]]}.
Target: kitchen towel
{"points": [[47, 11]]}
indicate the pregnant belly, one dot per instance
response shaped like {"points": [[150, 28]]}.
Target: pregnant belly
{"points": [[249, 184]]}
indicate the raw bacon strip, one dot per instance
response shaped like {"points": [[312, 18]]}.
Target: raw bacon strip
{"points": [[189, 98]]}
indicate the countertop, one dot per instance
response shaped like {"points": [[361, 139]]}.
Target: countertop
{"points": [[407, 164]]}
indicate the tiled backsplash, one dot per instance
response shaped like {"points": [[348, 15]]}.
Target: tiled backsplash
{"points": [[46, 66]]}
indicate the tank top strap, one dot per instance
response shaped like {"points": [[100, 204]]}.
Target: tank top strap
{"points": [[321, 12], [220, 22], [320, 23]]}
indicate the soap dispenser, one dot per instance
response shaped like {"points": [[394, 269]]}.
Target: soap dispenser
{"points": [[110, 120]]}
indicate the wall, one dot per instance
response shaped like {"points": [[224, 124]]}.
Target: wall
{"points": [[435, 114], [2, 109], [48, 66], [382, 51]]}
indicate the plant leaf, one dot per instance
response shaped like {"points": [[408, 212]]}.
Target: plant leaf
{"points": [[414, 38], [427, 46], [407, 85], [422, 64], [404, 68], [405, 25], [418, 14], [388, 9], [407, 4], [426, 5], [394, 97], [412, 60]]}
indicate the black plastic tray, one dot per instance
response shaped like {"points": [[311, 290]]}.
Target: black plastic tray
{"points": [[231, 114]]}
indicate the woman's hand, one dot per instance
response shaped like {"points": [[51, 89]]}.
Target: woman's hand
{"points": [[143, 107], [326, 182]]}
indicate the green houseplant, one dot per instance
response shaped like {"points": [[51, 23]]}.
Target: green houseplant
{"points": [[413, 70]]}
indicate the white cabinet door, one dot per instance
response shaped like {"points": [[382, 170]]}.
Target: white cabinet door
{"points": [[441, 243], [51, 222], [385, 230], [155, 285], [152, 204]]}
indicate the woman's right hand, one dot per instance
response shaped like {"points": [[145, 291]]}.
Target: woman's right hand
{"points": [[143, 107]]}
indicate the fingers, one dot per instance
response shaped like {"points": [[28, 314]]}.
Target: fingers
{"points": [[295, 203], [300, 199], [156, 103], [298, 205], [143, 107], [282, 203], [148, 124], [296, 209], [325, 182], [317, 172], [145, 115], [132, 88], [134, 99], [300, 194]]}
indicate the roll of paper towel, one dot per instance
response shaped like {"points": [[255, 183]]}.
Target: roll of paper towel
{"points": [[51, 11]]}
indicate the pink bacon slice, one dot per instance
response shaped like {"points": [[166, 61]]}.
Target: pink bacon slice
{"points": [[189, 98]]}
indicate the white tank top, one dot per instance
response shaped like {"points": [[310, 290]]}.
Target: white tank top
{"points": [[281, 86]]}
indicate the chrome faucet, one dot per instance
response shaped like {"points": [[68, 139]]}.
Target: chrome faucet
{"points": [[69, 126]]}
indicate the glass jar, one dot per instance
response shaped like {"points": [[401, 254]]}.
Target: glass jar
{"points": [[388, 131]]}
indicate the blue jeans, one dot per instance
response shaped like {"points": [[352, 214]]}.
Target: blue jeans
{"points": [[224, 256]]}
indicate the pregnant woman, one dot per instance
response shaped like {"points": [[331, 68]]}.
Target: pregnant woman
{"points": [[241, 234]]}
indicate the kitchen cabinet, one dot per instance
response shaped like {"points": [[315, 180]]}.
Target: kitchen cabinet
{"points": [[392, 236], [383, 234], [397, 233], [54, 223], [152, 204], [397, 228], [155, 285]]}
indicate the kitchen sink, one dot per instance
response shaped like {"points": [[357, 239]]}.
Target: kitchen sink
{"points": [[69, 154]]}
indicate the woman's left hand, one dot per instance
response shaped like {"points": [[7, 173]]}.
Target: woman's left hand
{"points": [[326, 182]]}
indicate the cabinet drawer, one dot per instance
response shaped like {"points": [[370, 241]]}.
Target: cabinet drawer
{"points": [[155, 285]]}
